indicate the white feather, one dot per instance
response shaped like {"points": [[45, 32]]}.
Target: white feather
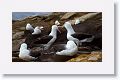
{"points": [[54, 34], [69, 28], [71, 31], [29, 27], [36, 30], [57, 22], [54, 31], [25, 53], [71, 49]]}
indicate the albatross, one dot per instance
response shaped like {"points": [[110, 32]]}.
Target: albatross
{"points": [[28, 29], [33, 36], [78, 38], [70, 49], [25, 53], [48, 40], [37, 30]]}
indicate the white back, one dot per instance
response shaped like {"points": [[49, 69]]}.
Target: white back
{"points": [[37, 30], [24, 50], [71, 49], [25, 53], [70, 45]]}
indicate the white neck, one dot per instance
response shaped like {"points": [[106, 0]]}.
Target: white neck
{"points": [[70, 30], [53, 32], [23, 48], [36, 32]]}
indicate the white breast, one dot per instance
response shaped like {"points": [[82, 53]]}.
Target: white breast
{"points": [[71, 49], [54, 31], [36, 31]]}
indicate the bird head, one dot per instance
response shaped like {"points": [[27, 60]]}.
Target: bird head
{"points": [[67, 24], [55, 27], [29, 27], [57, 22], [23, 46]]}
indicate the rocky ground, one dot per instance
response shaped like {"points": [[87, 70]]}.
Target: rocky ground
{"points": [[93, 26]]}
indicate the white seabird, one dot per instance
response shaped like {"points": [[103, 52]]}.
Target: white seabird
{"points": [[37, 30], [48, 40], [78, 38], [32, 37], [25, 53], [29, 27], [70, 49], [77, 21]]}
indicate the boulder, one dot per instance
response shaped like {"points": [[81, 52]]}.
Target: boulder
{"points": [[18, 35], [92, 58], [16, 44], [16, 59], [95, 56], [68, 15]]}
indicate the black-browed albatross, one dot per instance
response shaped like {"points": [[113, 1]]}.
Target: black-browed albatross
{"points": [[30, 38], [70, 49], [25, 53], [48, 40], [28, 29], [78, 38]]}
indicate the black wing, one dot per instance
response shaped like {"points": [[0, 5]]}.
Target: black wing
{"points": [[44, 40], [36, 35], [29, 40], [81, 36], [35, 53], [27, 32]]}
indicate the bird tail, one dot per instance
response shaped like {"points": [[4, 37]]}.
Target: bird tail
{"points": [[67, 52]]}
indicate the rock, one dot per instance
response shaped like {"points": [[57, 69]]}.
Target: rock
{"points": [[92, 58], [34, 19], [13, 32], [36, 48], [21, 28], [79, 58], [54, 58], [16, 44], [84, 48], [15, 54], [95, 56], [16, 59], [96, 52], [68, 15], [18, 35], [87, 16]]}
